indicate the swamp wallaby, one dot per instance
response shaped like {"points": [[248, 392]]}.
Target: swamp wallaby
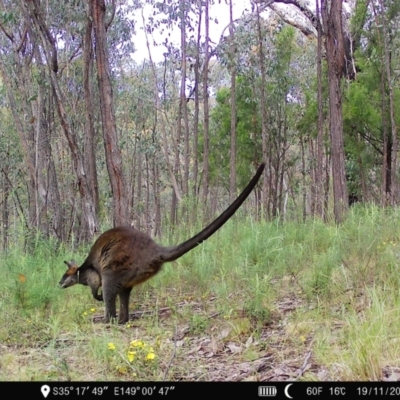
{"points": [[125, 257]]}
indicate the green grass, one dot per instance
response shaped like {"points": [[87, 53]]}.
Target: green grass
{"points": [[276, 291]]}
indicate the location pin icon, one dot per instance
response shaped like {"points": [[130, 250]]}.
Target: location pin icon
{"points": [[45, 389]]}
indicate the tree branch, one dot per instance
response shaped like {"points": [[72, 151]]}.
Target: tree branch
{"points": [[108, 23], [24, 36], [37, 15], [9, 35]]}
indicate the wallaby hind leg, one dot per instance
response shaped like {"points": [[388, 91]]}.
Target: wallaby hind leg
{"points": [[110, 291], [123, 316]]}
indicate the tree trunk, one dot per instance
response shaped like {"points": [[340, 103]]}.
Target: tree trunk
{"points": [[319, 180], [264, 117], [89, 149], [139, 201], [112, 151], [196, 109], [156, 191], [5, 210], [313, 174], [47, 190], [282, 156], [332, 21], [25, 144], [232, 180], [206, 178], [183, 112], [387, 63], [89, 216], [174, 183]]}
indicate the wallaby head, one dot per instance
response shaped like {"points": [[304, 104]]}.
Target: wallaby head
{"points": [[70, 278], [124, 257], [85, 276]]}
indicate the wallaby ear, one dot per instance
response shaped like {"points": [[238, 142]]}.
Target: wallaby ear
{"points": [[72, 267], [71, 263]]}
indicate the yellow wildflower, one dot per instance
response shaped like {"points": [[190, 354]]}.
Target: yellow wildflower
{"points": [[121, 370], [150, 356], [111, 346], [137, 343], [131, 355]]}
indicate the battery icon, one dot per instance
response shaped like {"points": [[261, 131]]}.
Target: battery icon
{"points": [[266, 391]]}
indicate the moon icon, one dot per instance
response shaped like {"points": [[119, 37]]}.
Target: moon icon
{"points": [[287, 391]]}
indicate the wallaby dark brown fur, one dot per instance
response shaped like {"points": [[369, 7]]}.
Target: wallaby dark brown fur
{"points": [[125, 257]]}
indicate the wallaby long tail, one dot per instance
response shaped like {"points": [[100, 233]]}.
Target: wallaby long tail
{"points": [[179, 250]]}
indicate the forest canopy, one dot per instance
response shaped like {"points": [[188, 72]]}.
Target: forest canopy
{"points": [[91, 138]]}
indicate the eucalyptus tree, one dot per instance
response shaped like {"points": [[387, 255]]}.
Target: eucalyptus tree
{"points": [[386, 16], [339, 55], [331, 14], [60, 46], [268, 97], [206, 133], [232, 62], [371, 106], [187, 64], [24, 75], [48, 65], [264, 113], [12, 177], [141, 146]]}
